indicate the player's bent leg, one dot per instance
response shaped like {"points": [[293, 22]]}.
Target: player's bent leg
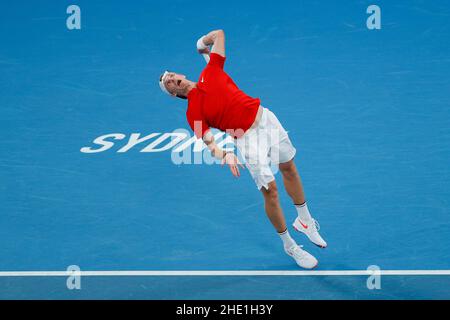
{"points": [[276, 217], [292, 182], [304, 223]]}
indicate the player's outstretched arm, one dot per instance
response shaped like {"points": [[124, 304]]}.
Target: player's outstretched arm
{"points": [[216, 39], [228, 158]]}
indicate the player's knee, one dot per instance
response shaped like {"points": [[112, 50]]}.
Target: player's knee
{"points": [[288, 170], [271, 194]]}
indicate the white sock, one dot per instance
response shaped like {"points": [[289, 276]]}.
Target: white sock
{"points": [[303, 212], [287, 239]]}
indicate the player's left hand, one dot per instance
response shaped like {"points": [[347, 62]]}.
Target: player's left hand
{"points": [[233, 162]]}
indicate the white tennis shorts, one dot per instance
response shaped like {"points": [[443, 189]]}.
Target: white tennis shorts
{"points": [[264, 145]]}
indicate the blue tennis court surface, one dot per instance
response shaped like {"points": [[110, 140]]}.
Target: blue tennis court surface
{"points": [[368, 111]]}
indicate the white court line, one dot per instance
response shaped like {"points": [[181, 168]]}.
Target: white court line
{"points": [[224, 273]]}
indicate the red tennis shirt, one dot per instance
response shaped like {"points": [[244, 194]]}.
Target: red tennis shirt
{"points": [[217, 102]]}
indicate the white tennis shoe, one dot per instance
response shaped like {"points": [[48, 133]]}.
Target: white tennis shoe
{"points": [[303, 258], [311, 229]]}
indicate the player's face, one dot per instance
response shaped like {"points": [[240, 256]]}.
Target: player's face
{"points": [[176, 83]]}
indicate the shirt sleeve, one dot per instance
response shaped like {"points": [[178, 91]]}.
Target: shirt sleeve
{"points": [[198, 124], [216, 60]]}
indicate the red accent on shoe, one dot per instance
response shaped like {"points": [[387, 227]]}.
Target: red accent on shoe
{"points": [[303, 225]]}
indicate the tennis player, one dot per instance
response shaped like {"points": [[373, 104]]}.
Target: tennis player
{"points": [[215, 101]]}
